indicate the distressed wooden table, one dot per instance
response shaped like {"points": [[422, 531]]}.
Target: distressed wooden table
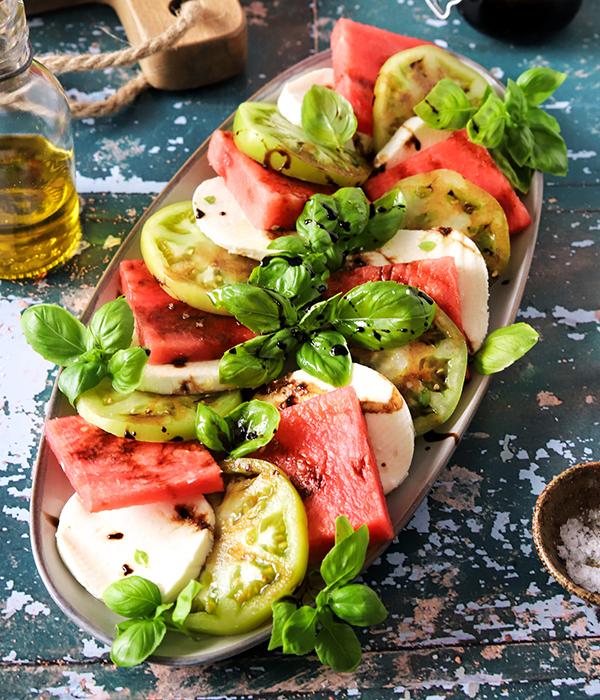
{"points": [[473, 613]]}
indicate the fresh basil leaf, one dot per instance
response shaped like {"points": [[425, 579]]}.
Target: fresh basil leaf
{"points": [[386, 219], [277, 345], [291, 276], [252, 425], [140, 558], [445, 107], [383, 315], [54, 333], [519, 142], [282, 611], [79, 377], [536, 115], [516, 102], [519, 177], [212, 429], [334, 257], [136, 641], [183, 605], [486, 128], [243, 367], [427, 245], [291, 244], [318, 223], [326, 356], [327, 118], [549, 151], [112, 326], [358, 605], [319, 315], [261, 310], [504, 346], [299, 633], [353, 214], [126, 368], [343, 528], [337, 646], [133, 596], [346, 558], [163, 607], [539, 83]]}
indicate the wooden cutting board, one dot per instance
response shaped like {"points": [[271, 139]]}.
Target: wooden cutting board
{"points": [[211, 51]]}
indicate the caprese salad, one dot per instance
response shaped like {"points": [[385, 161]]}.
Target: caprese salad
{"points": [[243, 409]]}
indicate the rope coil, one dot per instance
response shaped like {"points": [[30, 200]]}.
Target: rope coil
{"points": [[190, 13]]}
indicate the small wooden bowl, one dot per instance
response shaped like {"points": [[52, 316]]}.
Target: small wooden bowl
{"points": [[569, 495]]}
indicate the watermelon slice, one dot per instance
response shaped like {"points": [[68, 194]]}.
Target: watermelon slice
{"points": [[323, 446], [437, 277], [357, 52], [270, 200], [175, 332], [109, 472], [473, 162]]}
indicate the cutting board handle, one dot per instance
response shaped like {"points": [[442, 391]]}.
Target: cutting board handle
{"points": [[213, 50]]}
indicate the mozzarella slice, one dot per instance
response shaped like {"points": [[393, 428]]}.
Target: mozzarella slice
{"points": [[471, 269], [192, 378], [290, 99], [100, 548], [388, 419], [411, 138], [224, 221]]}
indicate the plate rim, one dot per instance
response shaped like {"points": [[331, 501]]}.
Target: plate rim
{"points": [[458, 423]]}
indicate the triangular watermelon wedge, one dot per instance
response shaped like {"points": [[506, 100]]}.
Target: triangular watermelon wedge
{"points": [[323, 446]]}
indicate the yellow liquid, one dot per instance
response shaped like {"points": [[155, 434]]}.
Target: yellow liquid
{"points": [[39, 207]]}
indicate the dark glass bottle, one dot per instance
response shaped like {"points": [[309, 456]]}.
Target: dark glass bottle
{"points": [[519, 21]]}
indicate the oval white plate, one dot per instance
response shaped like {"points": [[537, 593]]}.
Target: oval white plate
{"points": [[51, 488]]}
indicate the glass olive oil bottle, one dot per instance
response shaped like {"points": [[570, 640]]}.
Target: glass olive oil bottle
{"points": [[39, 207]]}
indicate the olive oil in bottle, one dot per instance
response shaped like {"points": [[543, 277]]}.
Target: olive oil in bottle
{"points": [[39, 207]]}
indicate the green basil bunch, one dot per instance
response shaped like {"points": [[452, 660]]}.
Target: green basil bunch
{"points": [[140, 600], [282, 301], [520, 136], [90, 354], [300, 629], [243, 430]]}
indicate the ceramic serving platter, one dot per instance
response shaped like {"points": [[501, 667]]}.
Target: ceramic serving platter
{"points": [[51, 488]]}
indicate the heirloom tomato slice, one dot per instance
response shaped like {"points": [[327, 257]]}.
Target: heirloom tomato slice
{"points": [[260, 550]]}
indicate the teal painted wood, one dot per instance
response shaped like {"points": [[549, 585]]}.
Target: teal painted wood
{"points": [[473, 613]]}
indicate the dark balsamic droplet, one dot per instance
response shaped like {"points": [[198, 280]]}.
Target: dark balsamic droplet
{"points": [[115, 536], [338, 350]]}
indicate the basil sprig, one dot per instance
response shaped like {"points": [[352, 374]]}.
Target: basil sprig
{"points": [[520, 136], [140, 600], [282, 300], [326, 626], [243, 430], [327, 118], [504, 346], [90, 354]]}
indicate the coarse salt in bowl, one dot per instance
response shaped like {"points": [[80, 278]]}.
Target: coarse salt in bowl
{"points": [[566, 530]]}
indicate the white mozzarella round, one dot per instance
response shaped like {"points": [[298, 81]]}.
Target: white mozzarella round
{"points": [[191, 378], [411, 138], [290, 99], [471, 269], [225, 223], [389, 423], [100, 548]]}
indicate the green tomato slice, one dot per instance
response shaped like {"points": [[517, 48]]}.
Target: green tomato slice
{"points": [[429, 372], [260, 551], [263, 134], [445, 198], [408, 77], [186, 263], [148, 417]]}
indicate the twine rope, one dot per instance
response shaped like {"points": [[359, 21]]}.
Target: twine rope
{"points": [[191, 12]]}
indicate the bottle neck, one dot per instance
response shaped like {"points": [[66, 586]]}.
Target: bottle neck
{"points": [[15, 49]]}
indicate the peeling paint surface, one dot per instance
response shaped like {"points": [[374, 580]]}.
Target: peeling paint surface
{"points": [[472, 611]]}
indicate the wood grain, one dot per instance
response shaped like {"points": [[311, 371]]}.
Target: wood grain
{"points": [[212, 51]]}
